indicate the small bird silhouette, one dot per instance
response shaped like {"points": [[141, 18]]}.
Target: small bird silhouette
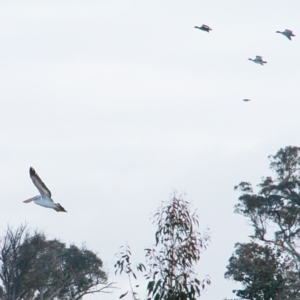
{"points": [[258, 60], [246, 100], [204, 28], [288, 33]]}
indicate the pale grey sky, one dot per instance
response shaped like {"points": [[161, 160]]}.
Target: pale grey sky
{"points": [[118, 103]]}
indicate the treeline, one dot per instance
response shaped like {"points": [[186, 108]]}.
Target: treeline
{"points": [[268, 266], [33, 267]]}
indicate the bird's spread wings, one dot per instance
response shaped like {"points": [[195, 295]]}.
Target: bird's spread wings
{"points": [[40, 185]]}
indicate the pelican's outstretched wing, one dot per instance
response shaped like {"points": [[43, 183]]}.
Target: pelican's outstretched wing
{"points": [[40, 185], [258, 57]]}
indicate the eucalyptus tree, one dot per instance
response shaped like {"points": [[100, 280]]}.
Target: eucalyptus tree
{"points": [[273, 210], [35, 268], [264, 272], [169, 266]]}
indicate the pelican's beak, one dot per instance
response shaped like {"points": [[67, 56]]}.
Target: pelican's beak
{"points": [[29, 200]]}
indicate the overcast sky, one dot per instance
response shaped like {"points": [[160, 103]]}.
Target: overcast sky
{"points": [[118, 103]]}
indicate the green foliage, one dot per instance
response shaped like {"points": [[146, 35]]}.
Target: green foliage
{"points": [[274, 213], [123, 264], [84, 271], [32, 267], [277, 203], [264, 272], [170, 262]]}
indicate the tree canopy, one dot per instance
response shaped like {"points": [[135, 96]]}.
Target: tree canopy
{"points": [[274, 213], [33, 267], [264, 272], [170, 262]]}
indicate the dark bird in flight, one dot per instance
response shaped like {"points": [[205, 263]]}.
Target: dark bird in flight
{"points": [[204, 28], [288, 33], [258, 60]]}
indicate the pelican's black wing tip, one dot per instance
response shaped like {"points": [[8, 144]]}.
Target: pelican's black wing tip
{"points": [[31, 171]]}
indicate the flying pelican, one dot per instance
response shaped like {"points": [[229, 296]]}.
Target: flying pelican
{"points": [[258, 59], [288, 33], [204, 28], [45, 198]]}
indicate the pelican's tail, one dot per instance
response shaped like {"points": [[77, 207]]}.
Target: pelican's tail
{"points": [[59, 208]]}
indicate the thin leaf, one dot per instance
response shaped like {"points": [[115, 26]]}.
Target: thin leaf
{"points": [[123, 295]]}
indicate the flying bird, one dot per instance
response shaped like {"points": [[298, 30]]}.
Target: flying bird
{"points": [[45, 198], [204, 28], [258, 59], [246, 100], [288, 33]]}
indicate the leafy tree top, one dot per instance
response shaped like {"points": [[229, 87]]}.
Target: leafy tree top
{"points": [[170, 262], [276, 205], [32, 267], [269, 266], [265, 273]]}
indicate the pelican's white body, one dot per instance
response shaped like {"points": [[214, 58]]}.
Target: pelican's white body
{"points": [[46, 202]]}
